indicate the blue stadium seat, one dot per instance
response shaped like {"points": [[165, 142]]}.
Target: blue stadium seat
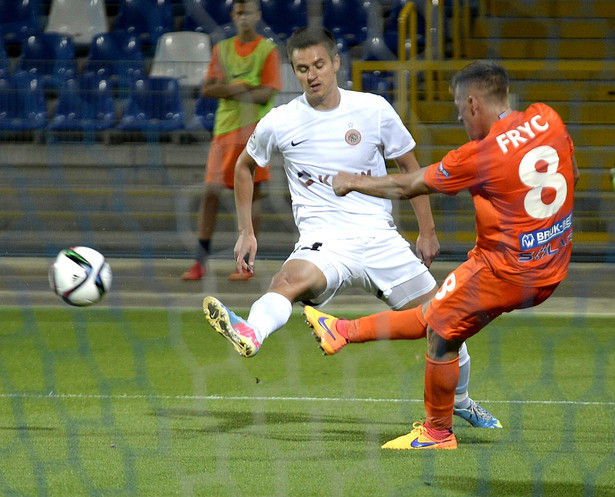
{"points": [[22, 102], [346, 19], [212, 17], [146, 19], [5, 63], [204, 114], [379, 82], [219, 10], [154, 105], [50, 56], [116, 56], [284, 16], [18, 20], [391, 28], [85, 104]]}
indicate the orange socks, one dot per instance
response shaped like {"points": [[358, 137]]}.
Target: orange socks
{"points": [[441, 379], [387, 325]]}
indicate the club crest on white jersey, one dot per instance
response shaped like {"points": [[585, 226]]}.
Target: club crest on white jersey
{"points": [[353, 137]]}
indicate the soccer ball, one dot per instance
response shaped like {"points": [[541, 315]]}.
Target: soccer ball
{"points": [[80, 275]]}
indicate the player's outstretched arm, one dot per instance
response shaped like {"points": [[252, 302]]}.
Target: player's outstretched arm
{"points": [[393, 186]]}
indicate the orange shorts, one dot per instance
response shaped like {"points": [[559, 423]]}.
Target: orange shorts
{"points": [[223, 154], [472, 296]]}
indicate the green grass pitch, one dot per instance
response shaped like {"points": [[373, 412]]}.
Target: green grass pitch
{"points": [[150, 402]]}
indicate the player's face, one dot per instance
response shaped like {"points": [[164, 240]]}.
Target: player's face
{"points": [[466, 106], [245, 16], [317, 74]]}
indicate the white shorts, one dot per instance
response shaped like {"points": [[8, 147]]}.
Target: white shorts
{"points": [[382, 264]]}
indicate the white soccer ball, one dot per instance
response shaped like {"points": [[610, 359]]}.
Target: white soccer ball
{"points": [[80, 275]]}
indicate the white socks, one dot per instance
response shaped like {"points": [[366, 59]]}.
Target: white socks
{"points": [[462, 401], [269, 314]]}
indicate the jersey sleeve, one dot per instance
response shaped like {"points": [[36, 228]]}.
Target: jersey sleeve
{"points": [[262, 142], [215, 70], [455, 172], [396, 139], [271, 75]]}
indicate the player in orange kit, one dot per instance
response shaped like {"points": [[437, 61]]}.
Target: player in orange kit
{"points": [[520, 169]]}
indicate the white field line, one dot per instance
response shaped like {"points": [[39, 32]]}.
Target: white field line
{"points": [[68, 396]]}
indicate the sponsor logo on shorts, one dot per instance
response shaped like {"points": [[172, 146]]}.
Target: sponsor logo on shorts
{"points": [[443, 171]]}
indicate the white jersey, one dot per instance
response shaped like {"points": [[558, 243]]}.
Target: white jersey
{"points": [[355, 137]]}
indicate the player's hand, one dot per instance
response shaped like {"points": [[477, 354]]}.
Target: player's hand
{"points": [[342, 183], [245, 252], [237, 90], [427, 248]]}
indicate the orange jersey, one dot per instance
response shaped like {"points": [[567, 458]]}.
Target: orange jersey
{"points": [[520, 177]]}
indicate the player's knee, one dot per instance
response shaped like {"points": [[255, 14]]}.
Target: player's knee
{"points": [[298, 281], [440, 349]]}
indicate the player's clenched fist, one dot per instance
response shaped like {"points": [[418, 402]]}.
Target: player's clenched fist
{"points": [[342, 183]]}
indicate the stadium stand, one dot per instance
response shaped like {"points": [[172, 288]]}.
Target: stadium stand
{"points": [[18, 20], [50, 56], [155, 106], [538, 41], [85, 105], [118, 57], [219, 10], [284, 16], [5, 63], [203, 115], [346, 19], [22, 104], [391, 31], [82, 20], [184, 55], [535, 41], [147, 19], [209, 16]]}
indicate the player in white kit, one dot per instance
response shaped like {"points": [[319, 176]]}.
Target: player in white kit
{"points": [[344, 242]]}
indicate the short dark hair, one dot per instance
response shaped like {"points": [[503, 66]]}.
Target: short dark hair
{"points": [[484, 74], [310, 36], [257, 2]]}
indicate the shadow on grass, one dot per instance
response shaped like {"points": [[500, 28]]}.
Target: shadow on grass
{"points": [[27, 428], [332, 427]]}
